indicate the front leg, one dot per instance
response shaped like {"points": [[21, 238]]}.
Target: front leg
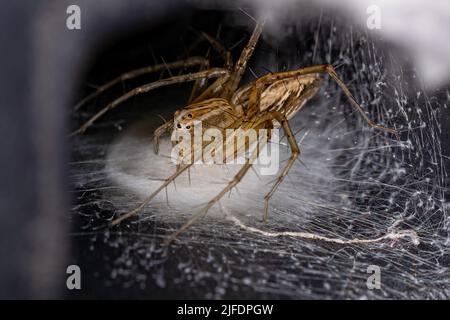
{"points": [[206, 74], [141, 206], [237, 178], [189, 62], [165, 127]]}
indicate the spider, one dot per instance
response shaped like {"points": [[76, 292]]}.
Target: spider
{"points": [[266, 103]]}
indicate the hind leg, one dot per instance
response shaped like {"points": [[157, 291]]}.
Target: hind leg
{"points": [[295, 152], [263, 82]]}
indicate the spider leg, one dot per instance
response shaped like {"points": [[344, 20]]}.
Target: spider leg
{"points": [[189, 62], [241, 64], [226, 55], [225, 89], [200, 84], [185, 163], [136, 210], [180, 168], [206, 74], [213, 90], [165, 127], [236, 179], [262, 82], [295, 152]]}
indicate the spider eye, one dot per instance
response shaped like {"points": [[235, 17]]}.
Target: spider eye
{"points": [[188, 127], [179, 126], [190, 115]]}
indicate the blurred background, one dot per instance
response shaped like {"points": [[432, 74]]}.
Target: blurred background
{"points": [[55, 192]]}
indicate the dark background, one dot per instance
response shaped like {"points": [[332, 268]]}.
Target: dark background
{"points": [[42, 64]]}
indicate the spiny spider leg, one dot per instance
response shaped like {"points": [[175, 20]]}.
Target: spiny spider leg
{"points": [[237, 178], [199, 84], [241, 64], [189, 62], [136, 210], [215, 105], [226, 89], [165, 127], [226, 55], [206, 74], [262, 82], [295, 152]]}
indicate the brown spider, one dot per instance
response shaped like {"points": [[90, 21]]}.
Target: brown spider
{"points": [[268, 102]]}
